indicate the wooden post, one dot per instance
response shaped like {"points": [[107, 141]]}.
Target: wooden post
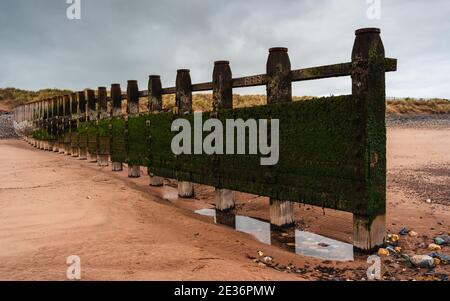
{"points": [[60, 102], [116, 101], [279, 90], [92, 118], [103, 152], [67, 132], [155, 105], [134, 171], [368, 85], [184, 106], [45, 122], [55, 124], [82, 141], [223, 99], [73, 125]]}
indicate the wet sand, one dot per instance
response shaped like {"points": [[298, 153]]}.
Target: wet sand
{"points": [[53, 206]]}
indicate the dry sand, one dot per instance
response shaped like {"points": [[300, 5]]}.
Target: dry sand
{"points": [[53, 206]]}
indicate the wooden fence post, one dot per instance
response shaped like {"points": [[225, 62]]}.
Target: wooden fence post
{"points": [[91, 118], [223, 99], [73, 125], [67, 132], [184, 106], [134, 171], [44, 122], [368, 85], [82, 140], [61, 149], [103, 142], [155, 105], [55, 119], [116, 102], [48, 117], [279, 90]]}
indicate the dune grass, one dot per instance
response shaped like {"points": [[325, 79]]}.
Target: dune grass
{"points": [[11, 97]]}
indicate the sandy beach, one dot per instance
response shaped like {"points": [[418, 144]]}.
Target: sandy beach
{"points": [[53, 206]]}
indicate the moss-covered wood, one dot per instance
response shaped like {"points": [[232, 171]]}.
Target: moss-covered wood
{"points": [[92, 139], [104, 137], [322, 156], [119, 140]]}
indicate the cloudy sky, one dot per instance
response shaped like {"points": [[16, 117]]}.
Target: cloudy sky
{"points": [[118, 40]]}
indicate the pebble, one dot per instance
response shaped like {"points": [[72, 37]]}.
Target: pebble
{"points": [[429, 201], [260, 254], [267, 259], [262, 265], [413, 234], [422, 261], [395, 238], [403, 231], [434, 247], [442, 240], [383, 252]]}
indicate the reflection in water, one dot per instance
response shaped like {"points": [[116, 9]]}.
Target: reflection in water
{"points": [[291, 239]]}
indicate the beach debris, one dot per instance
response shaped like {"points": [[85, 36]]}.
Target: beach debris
{"points": [[413, 234], [442, 240], [434, 247], [437, 261], [398, 249], [323, 245], [428, 201], [404, 232], [260, 253], [422, 261], [383, 252]]}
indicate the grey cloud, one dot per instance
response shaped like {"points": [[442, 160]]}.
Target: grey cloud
{"points": [[117, 40]]}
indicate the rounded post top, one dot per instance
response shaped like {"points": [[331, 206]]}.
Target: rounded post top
{"points": [[367, 30], [222, 62], [101, 88], [278, 49], [154, 76], [183, 71], [115, 85], [132, 81]]}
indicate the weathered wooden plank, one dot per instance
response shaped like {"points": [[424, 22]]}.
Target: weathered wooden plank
{"points": [[336, 70], [250, 81], [202, 87], [171, 90]]}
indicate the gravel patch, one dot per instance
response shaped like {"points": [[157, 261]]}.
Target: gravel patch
{"points": [[7, 127], [418, 121]]}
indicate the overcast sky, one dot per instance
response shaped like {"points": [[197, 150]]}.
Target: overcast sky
{"points": [[118, 40]]}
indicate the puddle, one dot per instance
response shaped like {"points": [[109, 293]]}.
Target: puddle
{"points": [[291, 239]]}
